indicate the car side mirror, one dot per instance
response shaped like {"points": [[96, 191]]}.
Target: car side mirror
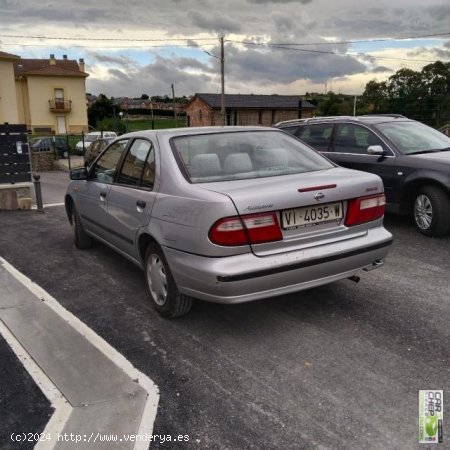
{"points": [[78, 174], [375, 150]]}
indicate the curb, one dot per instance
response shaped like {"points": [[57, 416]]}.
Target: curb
{"points": [[95, 391]]}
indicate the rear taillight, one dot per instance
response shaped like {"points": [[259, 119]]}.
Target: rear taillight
{"points": [[248, 229], [365, 209]]}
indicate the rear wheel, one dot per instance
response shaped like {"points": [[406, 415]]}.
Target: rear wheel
{"points": [[81, 239], [431, 211], [164, 294]]}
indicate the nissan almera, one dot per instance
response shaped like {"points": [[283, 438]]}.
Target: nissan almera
{"points": [[228, 214]]}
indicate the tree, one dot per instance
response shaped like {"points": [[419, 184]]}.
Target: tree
{"points": [[144, 97], [423, 96], [100, 109], [375, 98]]}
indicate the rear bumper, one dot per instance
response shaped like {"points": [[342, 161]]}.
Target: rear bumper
{"points": [[247, 277]]}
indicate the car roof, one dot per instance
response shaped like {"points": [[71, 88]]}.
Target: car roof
{"points": [[368, 119], [107, 138], [173, 132]]}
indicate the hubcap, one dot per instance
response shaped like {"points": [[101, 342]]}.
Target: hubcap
{"points": [[423, 212], [157, 280]]}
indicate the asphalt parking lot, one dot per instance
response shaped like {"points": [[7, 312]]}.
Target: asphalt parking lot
{"points": [[336, 367]]}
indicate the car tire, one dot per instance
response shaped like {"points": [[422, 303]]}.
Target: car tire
{"points": [[162, 290], [431, 211], [81, 239]]}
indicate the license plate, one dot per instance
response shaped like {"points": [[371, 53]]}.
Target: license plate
{"points": [[310, 216]]}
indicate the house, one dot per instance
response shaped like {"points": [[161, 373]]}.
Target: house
{"points": [[9, 111], [48, 95], [246, 109]]}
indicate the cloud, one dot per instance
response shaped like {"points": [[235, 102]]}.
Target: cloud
{"points": [[155, 79], [304, 2], [441, 13], [103, 58], [145, 68], [214, 22], [287, 66], [442, 54], [381, 69]]}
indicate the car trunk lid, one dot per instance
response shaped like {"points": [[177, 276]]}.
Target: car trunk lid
{"points": [[310, 207]]}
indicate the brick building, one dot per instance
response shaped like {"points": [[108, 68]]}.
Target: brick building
{"points": [[243, 109]]}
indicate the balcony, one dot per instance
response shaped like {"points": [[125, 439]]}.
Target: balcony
{"points": [[60, 105]]}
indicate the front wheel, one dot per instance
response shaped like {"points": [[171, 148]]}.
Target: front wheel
{"points": [[431, 211], [163, 291]]}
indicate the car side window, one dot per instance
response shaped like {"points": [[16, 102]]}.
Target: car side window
{"points": [[105, 167], [355, 139], [317, 136], [136, 168]]}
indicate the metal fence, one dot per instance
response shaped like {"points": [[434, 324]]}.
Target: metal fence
{"points": [[15, 166]]}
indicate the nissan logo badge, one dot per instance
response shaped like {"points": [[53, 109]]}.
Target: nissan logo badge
{"points": [[319, 196]]}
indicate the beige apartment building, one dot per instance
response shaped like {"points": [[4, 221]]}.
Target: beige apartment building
{"points": [[48, 95]]}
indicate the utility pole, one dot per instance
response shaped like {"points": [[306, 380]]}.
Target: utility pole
{"points": [[174, 106], [222, 73], [354, 106]]}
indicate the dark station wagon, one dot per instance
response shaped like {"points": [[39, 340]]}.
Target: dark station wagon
{"points": [[412, 159]]}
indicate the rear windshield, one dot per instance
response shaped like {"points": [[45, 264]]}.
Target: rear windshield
{"points": [[242, 155], [91, 137]]}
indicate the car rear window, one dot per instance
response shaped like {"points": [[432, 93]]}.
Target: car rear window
{"points": [[92, 137], [243, 155]]}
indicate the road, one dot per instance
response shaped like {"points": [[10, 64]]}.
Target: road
{"points": [[336, 367], [53, 186]]}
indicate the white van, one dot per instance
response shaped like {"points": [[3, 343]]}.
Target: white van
{"points": [[93, 136]]}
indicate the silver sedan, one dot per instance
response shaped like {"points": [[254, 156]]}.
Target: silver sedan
{"points": [[228, 215]]}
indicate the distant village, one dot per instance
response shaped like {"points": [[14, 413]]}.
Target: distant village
{"points": [[155, 103]]}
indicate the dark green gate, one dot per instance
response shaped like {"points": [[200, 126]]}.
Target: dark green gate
{"points": [[15, 164]]}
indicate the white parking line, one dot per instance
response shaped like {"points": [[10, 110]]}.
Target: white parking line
{"points": [[49, 205], [59, 402]]}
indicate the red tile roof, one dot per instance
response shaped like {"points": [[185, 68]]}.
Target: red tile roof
{"points": [[8, 55], [62, 67]]}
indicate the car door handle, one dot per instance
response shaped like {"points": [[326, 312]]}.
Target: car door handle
{"points": [[140, 204], [102, 196]]}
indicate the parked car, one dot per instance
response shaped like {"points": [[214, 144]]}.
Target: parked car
{"points": [[95, 149], [228, 215], [445, 129], [92, 137], [412, 159], [50, 143]]}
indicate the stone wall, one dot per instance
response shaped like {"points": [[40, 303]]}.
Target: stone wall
{"points": [[15, 196], [43, 161]]}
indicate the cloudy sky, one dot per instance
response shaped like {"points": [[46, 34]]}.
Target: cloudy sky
{"points": [[271, 46]]}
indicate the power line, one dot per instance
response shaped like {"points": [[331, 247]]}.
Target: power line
{"points": [[322, 51], [281, 47], [108, 47], [395, 59], [423, 36], [286, 46], [355, 41], [104, 39]]}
